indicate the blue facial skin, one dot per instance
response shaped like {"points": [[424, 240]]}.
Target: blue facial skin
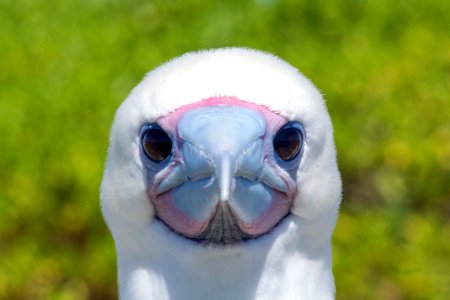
{"points": [[224, 154]]}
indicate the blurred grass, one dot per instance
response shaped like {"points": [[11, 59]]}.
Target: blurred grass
{"points": [[383, 66]]}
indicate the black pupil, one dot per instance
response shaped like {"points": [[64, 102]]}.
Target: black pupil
{"points": [[287, 143], [157, 144]]}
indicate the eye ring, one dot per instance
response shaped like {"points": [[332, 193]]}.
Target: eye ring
{"points": [[288, 141], [156, 143]]}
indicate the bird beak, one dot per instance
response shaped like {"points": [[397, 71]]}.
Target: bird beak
{"points": [[223, 160], [225, 176]]}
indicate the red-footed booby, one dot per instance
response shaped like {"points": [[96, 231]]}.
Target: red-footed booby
{"points": [[221, 182]]}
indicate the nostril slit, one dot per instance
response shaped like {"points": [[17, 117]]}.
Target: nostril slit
{"points": [[248, 174], [199, 175], [209, 183]]}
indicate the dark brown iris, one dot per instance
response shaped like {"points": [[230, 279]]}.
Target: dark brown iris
{"points": [[157, 144], [287, 143]]}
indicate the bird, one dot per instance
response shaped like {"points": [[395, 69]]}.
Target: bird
{"points": [[221, 181]]}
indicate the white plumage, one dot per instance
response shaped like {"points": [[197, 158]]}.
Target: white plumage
{"points": [[293, 261]]}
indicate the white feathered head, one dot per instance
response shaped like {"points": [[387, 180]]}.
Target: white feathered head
{"points": [[221, 146]]}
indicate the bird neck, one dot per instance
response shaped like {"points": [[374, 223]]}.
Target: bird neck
{"points": [[285, 264]]}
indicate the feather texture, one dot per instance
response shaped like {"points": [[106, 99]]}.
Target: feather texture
{"points": [[291, 262]]}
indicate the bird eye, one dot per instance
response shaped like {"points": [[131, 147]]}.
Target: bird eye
{"points": [[156, 143], [288, 142]]}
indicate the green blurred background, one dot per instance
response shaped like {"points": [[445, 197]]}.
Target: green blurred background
{"points": [[383, 66]]}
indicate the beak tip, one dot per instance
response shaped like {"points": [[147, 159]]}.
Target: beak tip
{"points": [[224, 195]]}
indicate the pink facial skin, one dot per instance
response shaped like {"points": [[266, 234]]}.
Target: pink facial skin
{"points": [[273, 120], [177, 220], [279, 206]]}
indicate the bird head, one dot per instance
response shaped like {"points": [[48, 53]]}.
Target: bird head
{"points": [[221, 146]]}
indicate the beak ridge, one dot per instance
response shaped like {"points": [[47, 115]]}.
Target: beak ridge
{"points": [[225, 176]]}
